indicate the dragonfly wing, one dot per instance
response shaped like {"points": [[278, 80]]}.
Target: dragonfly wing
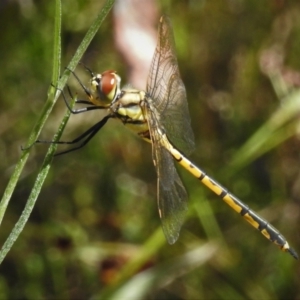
{"points": [[171, 194], [172, 199], [167, 90]]}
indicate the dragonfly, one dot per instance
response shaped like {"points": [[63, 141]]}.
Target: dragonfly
{"points": [[160, 116]]}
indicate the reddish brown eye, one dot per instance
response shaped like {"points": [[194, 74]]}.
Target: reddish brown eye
{"points": [[108, 82]]}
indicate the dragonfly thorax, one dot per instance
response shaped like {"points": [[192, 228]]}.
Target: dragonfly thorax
{"points": [[129, 108], [105, 87]]}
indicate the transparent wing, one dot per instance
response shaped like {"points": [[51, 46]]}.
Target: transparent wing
{"points": [[171, 196], [167, 90]]}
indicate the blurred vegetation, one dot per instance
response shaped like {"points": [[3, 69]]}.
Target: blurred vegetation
{"points": [[95, 229]]}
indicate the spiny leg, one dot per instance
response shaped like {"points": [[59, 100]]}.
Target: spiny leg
{"points": [[76, 111], [86, 90], [81, 110], [86, 137]]}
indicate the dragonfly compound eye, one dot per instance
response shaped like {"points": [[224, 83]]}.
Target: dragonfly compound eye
{"points": [[107, 86]]}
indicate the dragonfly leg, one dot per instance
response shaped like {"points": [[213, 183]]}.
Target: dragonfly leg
{"points": [[80, 110], [89, 134], [86, 137], [86, 90]]}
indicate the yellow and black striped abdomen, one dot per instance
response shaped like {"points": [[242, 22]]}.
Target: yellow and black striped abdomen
{"points": [[249, 215]]}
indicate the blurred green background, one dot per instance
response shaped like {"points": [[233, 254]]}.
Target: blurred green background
{"points": [[95, 230]]}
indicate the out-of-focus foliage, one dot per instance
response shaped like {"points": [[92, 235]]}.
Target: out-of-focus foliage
{"points": [[95, 229]]}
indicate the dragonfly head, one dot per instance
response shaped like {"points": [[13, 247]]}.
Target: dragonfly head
{"points": [[105, 87]]}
